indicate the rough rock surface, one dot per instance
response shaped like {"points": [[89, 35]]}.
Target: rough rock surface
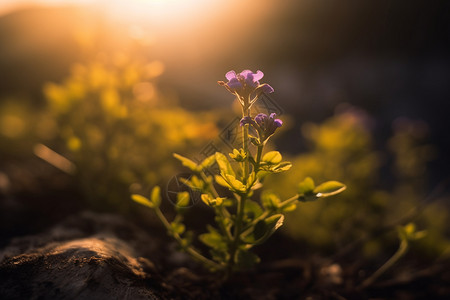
{"points": [[87, 257]]}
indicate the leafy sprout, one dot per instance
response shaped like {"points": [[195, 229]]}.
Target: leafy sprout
{"points": [[241, 222]]}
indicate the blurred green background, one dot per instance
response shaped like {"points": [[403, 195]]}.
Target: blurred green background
{"points": [[95, 96]]}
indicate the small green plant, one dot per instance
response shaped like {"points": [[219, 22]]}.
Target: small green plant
{"points": [[241, 222], [406, 234]]}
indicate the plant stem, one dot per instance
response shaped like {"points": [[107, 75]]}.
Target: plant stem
{"points": [[237, 232], [387, 265], [246, 112], [207, 262], [249, 226], [258, 157], [247, 153], [241, 199], [288, 201], [211, 187]]}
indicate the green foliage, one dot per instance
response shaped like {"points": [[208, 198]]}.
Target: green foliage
{"points": [[242, 221], [111, 119], [186, 162], [153, 202], [142, 200], [408, 233], [224, 165], [342, 148], [272, 162], [272, 157], [329, 188], [156, 196]]}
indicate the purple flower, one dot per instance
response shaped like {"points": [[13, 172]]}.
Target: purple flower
{"points": [[264, 125], [246, 120], [245, 78], [268, 124], [245, 84]]}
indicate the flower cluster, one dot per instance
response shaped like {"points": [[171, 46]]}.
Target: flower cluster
{"points": [[264, 125], [246, 85]]}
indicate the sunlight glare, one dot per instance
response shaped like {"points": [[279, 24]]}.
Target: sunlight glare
{"points": [[154, 11], [167, 13]]}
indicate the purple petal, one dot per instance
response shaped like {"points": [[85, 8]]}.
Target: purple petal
{"points": [[230, 75], [258, 75], [272, 115], [260, 118], [267, 88], [245, 120], [250, 81], [234, 83], [278, 122], [249, 78], [245, 73], [263, 88]]}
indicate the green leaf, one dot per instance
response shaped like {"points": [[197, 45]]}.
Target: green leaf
{"points": [[213, 239], [270, 200], [259, 231], [142, 200], [275, 221], [289, 208], [306, 186], [238, 155], [272, 157], [264, 229], [208, 200], [419, 235], [262, 174], [235, 184], [183, 199], [177, 227], [224, 164], [329, 188], [234, 154], [156, 196], [229, 202], [252, 209], [207, 162], [409, 233], [273, 168], [221, 181], [253, 183], [193, 182], [281, 167], [245, 259], [186, 162]]}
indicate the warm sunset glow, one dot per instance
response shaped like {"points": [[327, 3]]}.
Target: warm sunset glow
{"points": [[154, 11], [190, 26], [159, 11]]}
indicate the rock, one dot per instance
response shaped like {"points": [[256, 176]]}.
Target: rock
{"points": [[88, 257]]}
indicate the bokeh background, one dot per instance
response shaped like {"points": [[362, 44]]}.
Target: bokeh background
{"points": [[96, 95]]}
